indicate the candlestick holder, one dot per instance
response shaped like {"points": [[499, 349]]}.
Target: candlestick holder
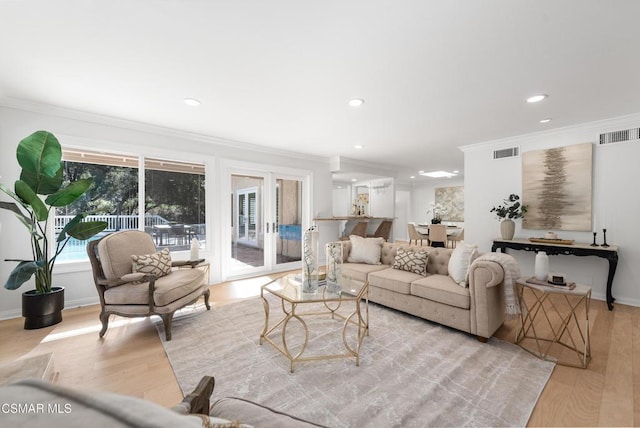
{"points": [[594, 239], [604, 244]]}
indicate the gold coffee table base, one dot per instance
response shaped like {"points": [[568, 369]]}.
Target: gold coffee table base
{"points": [[550, 316], [291, 304]]}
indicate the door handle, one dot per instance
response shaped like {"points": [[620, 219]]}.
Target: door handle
{"points": [[275, 227], [267, 227]]}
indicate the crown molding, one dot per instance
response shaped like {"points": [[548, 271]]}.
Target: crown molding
{"points": [[599, 126], [100, 119]]}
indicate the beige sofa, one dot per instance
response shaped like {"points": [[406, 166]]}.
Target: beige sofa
{"points": [[477, 309]]}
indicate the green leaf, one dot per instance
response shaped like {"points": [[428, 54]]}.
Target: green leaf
{"points": [[22, 273], [70, 193], [10, 206], [27, 194], [40, 153], [63, 233], [41, 184], [40, 157], [87, 229]]}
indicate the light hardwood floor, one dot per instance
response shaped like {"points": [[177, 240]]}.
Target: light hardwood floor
{"points": [[130, 360]]}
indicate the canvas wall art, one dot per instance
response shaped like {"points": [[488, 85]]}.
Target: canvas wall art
{"points": [[556, 187], [452, 200]]}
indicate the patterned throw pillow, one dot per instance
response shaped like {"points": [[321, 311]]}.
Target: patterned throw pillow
{"points": [[158, 264], [411, 261]]}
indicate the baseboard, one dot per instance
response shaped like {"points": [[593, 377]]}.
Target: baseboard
{"points": [[76, 303]]}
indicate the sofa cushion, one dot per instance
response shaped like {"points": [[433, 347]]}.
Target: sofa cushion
{"points": [[411, 261], [441, 289], [360, 271], [393, 279], [438, 262], [365, 250], [168, 289], [461, 259], [158, 264]]}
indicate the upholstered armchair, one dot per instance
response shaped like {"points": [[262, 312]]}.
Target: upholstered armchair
{"points": [[133, 279]]}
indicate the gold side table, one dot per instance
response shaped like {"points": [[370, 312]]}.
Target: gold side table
{"points": [[553, 316]]}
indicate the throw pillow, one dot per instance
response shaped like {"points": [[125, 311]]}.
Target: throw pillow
{"points": [[365, 250], [411, 261], [461, 258], [158, 264]]}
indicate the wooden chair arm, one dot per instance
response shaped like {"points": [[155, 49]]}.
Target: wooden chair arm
{"points": [[109, 283], [192, 263], [198, 399]]}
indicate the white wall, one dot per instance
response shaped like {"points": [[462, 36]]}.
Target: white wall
{"points": [[615, 198], [111, 134], [381, 197]]}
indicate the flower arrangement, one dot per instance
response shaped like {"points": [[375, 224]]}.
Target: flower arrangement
{"points": [[438, 212], [511, 208]]}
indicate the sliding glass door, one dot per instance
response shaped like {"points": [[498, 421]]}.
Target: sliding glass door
{"points": [[266, 222]]}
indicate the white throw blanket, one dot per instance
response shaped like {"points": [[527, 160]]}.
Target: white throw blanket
{"points": [[511, 274]]}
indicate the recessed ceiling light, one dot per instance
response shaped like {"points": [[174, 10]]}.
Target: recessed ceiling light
{"points": [[438, 174], [354, 179], [358, 146], [547, 120], [421, 172], [456, 171], [536, 98], [191, 102], [356, 102], [412, 177]]}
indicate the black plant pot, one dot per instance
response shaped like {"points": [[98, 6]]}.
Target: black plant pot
{"points": [[436, 221], [42, 310]]}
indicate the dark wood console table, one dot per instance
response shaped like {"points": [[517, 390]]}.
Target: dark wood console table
{"points": [[610, 253]]}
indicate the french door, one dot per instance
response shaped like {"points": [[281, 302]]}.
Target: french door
{"points": [[268, 214]]}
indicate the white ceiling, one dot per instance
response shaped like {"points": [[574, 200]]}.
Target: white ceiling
{"points": [[435, 75]]}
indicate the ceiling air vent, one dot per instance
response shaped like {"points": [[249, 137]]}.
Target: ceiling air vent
{"points": [[506, 153], [620, 136]]}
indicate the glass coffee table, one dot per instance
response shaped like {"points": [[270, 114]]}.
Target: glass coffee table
{"points": [[351, 306]]}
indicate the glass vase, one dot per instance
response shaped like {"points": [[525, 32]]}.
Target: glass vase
{"points": [[310, 261], [334, 267]]}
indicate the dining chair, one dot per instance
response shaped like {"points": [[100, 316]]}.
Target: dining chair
{"points": [[438, 235], [454, 239], [414, 235]]}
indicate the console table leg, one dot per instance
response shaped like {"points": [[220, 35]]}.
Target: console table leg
{"points": [[613, 264]]}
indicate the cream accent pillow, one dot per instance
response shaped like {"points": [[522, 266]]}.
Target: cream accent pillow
{"points": [[158, 264], [411, 261], [461, 258], [365, 250]]}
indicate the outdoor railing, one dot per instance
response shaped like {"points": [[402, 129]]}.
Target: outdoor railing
{"points": [[175, 237], [114, 222]]}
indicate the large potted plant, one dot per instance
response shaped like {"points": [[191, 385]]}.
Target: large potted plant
{"points": [[509, 210], [38, 192]]}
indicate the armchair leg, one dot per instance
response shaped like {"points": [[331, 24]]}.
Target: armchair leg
{"points": [[104, 318], [167, 319], [206, 298], [482, 339]]}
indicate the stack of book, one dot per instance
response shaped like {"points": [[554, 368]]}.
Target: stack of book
{"points": [[566, 286]]}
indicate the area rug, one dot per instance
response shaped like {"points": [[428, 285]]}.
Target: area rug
{"points": [[412, 373]]}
